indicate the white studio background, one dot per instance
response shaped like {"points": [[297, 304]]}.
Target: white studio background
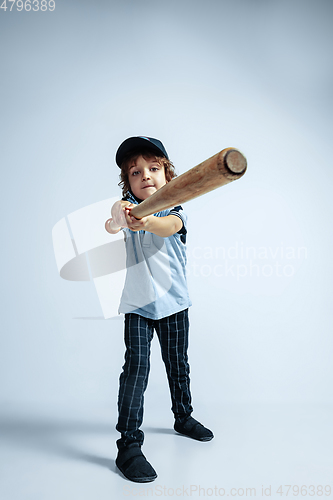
{"points": [[200, 76]]}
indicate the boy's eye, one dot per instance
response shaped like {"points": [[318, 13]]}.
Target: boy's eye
{"points": [[135, 172]]}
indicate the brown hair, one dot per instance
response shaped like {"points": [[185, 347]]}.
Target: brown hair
{"points": [[146, 153]]}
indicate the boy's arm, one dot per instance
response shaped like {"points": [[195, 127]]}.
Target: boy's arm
{"points": [[161, 226], [117, 212]]}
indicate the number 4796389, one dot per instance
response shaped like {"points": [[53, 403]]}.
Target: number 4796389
{"points": [[27, 5]]}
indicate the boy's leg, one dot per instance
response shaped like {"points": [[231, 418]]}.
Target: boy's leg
{"points": [[132, 385], [173, 335], [134, 378], [172, 332]]}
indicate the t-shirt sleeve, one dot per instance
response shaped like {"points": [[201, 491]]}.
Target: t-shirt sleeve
{"points": [[178, 212]]}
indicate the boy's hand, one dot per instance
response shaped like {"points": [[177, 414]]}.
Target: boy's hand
{"points": [[161, 226], [136, 224], [118, 212]]}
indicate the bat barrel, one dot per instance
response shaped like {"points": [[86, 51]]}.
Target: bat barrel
{"points": [[222, 168]]}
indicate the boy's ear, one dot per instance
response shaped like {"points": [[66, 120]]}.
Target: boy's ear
{"points": [[165, 175]]}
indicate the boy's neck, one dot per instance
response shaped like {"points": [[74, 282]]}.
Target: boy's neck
{"points": [[133, 196]]}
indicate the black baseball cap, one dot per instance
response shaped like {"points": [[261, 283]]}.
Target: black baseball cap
{"points": [[139, 142]]}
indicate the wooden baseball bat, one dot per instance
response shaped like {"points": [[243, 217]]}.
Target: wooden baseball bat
{"points": [[222, 168]]}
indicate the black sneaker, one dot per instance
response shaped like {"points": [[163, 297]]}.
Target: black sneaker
{"points": [[134, 465], [193, 429]]}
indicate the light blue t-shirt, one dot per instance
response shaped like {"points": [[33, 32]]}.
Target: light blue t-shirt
{"points": [[155, 284]]}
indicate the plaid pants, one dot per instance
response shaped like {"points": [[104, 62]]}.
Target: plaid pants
{"points": [[172, 333]]}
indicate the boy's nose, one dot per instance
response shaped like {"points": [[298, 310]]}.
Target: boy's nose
{"points": [[146, 175]]}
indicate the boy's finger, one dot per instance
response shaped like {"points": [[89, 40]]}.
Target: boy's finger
{"points": [[129, 219], [118, 215]]}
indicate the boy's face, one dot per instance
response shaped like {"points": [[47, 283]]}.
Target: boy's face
{"points": [[145, 176]]}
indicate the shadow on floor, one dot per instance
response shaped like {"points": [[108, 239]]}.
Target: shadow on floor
{"points": [[53, 436], [158, 430], [56, 435]]}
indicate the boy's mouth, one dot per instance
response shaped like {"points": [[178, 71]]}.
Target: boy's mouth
{"points": [[149, 186]]}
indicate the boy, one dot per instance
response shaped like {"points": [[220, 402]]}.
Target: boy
{"points": [[155, 296]]}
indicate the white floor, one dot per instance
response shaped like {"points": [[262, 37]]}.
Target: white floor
{"points": [[67, 454]]}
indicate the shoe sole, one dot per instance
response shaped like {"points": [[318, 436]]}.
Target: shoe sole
{"points": [[195, 439], [147, 479]]}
